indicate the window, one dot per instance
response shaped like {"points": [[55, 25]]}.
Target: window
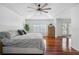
{"points": [[39, 26]]}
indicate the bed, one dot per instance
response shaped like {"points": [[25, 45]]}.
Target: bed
{"points": [[31, 43]]}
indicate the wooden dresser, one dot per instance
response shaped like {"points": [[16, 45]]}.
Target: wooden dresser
{"points": [[1, 50], [51, 31]]}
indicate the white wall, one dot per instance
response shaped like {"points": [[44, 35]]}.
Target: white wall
{"points": [[73, 14], [75, 27], [9, 19]]}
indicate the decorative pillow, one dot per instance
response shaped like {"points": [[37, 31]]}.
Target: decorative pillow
{"points": [[20, 32], [4, 35], [24, 32], [7, 35]]}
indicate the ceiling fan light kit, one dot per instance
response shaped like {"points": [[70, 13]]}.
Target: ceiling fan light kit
{"points": [[40, 7]]}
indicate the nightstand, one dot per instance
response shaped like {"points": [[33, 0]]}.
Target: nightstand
{"points": [[1, 50]]}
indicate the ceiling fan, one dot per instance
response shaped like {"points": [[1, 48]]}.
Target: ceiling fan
{"points": [[40, 7]]}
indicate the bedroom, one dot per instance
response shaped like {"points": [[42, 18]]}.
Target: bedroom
{"points": [[61, 16]]}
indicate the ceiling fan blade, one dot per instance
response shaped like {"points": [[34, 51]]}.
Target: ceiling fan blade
{"points": [[36, 4], [31, 7], [46, 9], [44, 5]]}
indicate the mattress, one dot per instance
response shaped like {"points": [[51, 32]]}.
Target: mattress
{"points": [[16, 50]]}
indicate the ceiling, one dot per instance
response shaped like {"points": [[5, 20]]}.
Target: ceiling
{"points": [[22, 10]]}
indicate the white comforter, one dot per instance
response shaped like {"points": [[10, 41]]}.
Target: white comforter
{"points": [[29, 40], [29, 36]]}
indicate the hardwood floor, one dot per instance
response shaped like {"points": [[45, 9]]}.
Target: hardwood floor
{"points": [[54, 47]]}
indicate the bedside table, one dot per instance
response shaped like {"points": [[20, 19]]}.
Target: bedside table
{"points": [[1, 50]]}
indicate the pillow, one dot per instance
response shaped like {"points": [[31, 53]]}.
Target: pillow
{"points": [[7, 35], [4, 35], [24, 32], [12, 33], [20, 32]]}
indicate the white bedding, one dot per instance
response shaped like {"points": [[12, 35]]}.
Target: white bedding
{"points": [[30, 40], [29, 36]]}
